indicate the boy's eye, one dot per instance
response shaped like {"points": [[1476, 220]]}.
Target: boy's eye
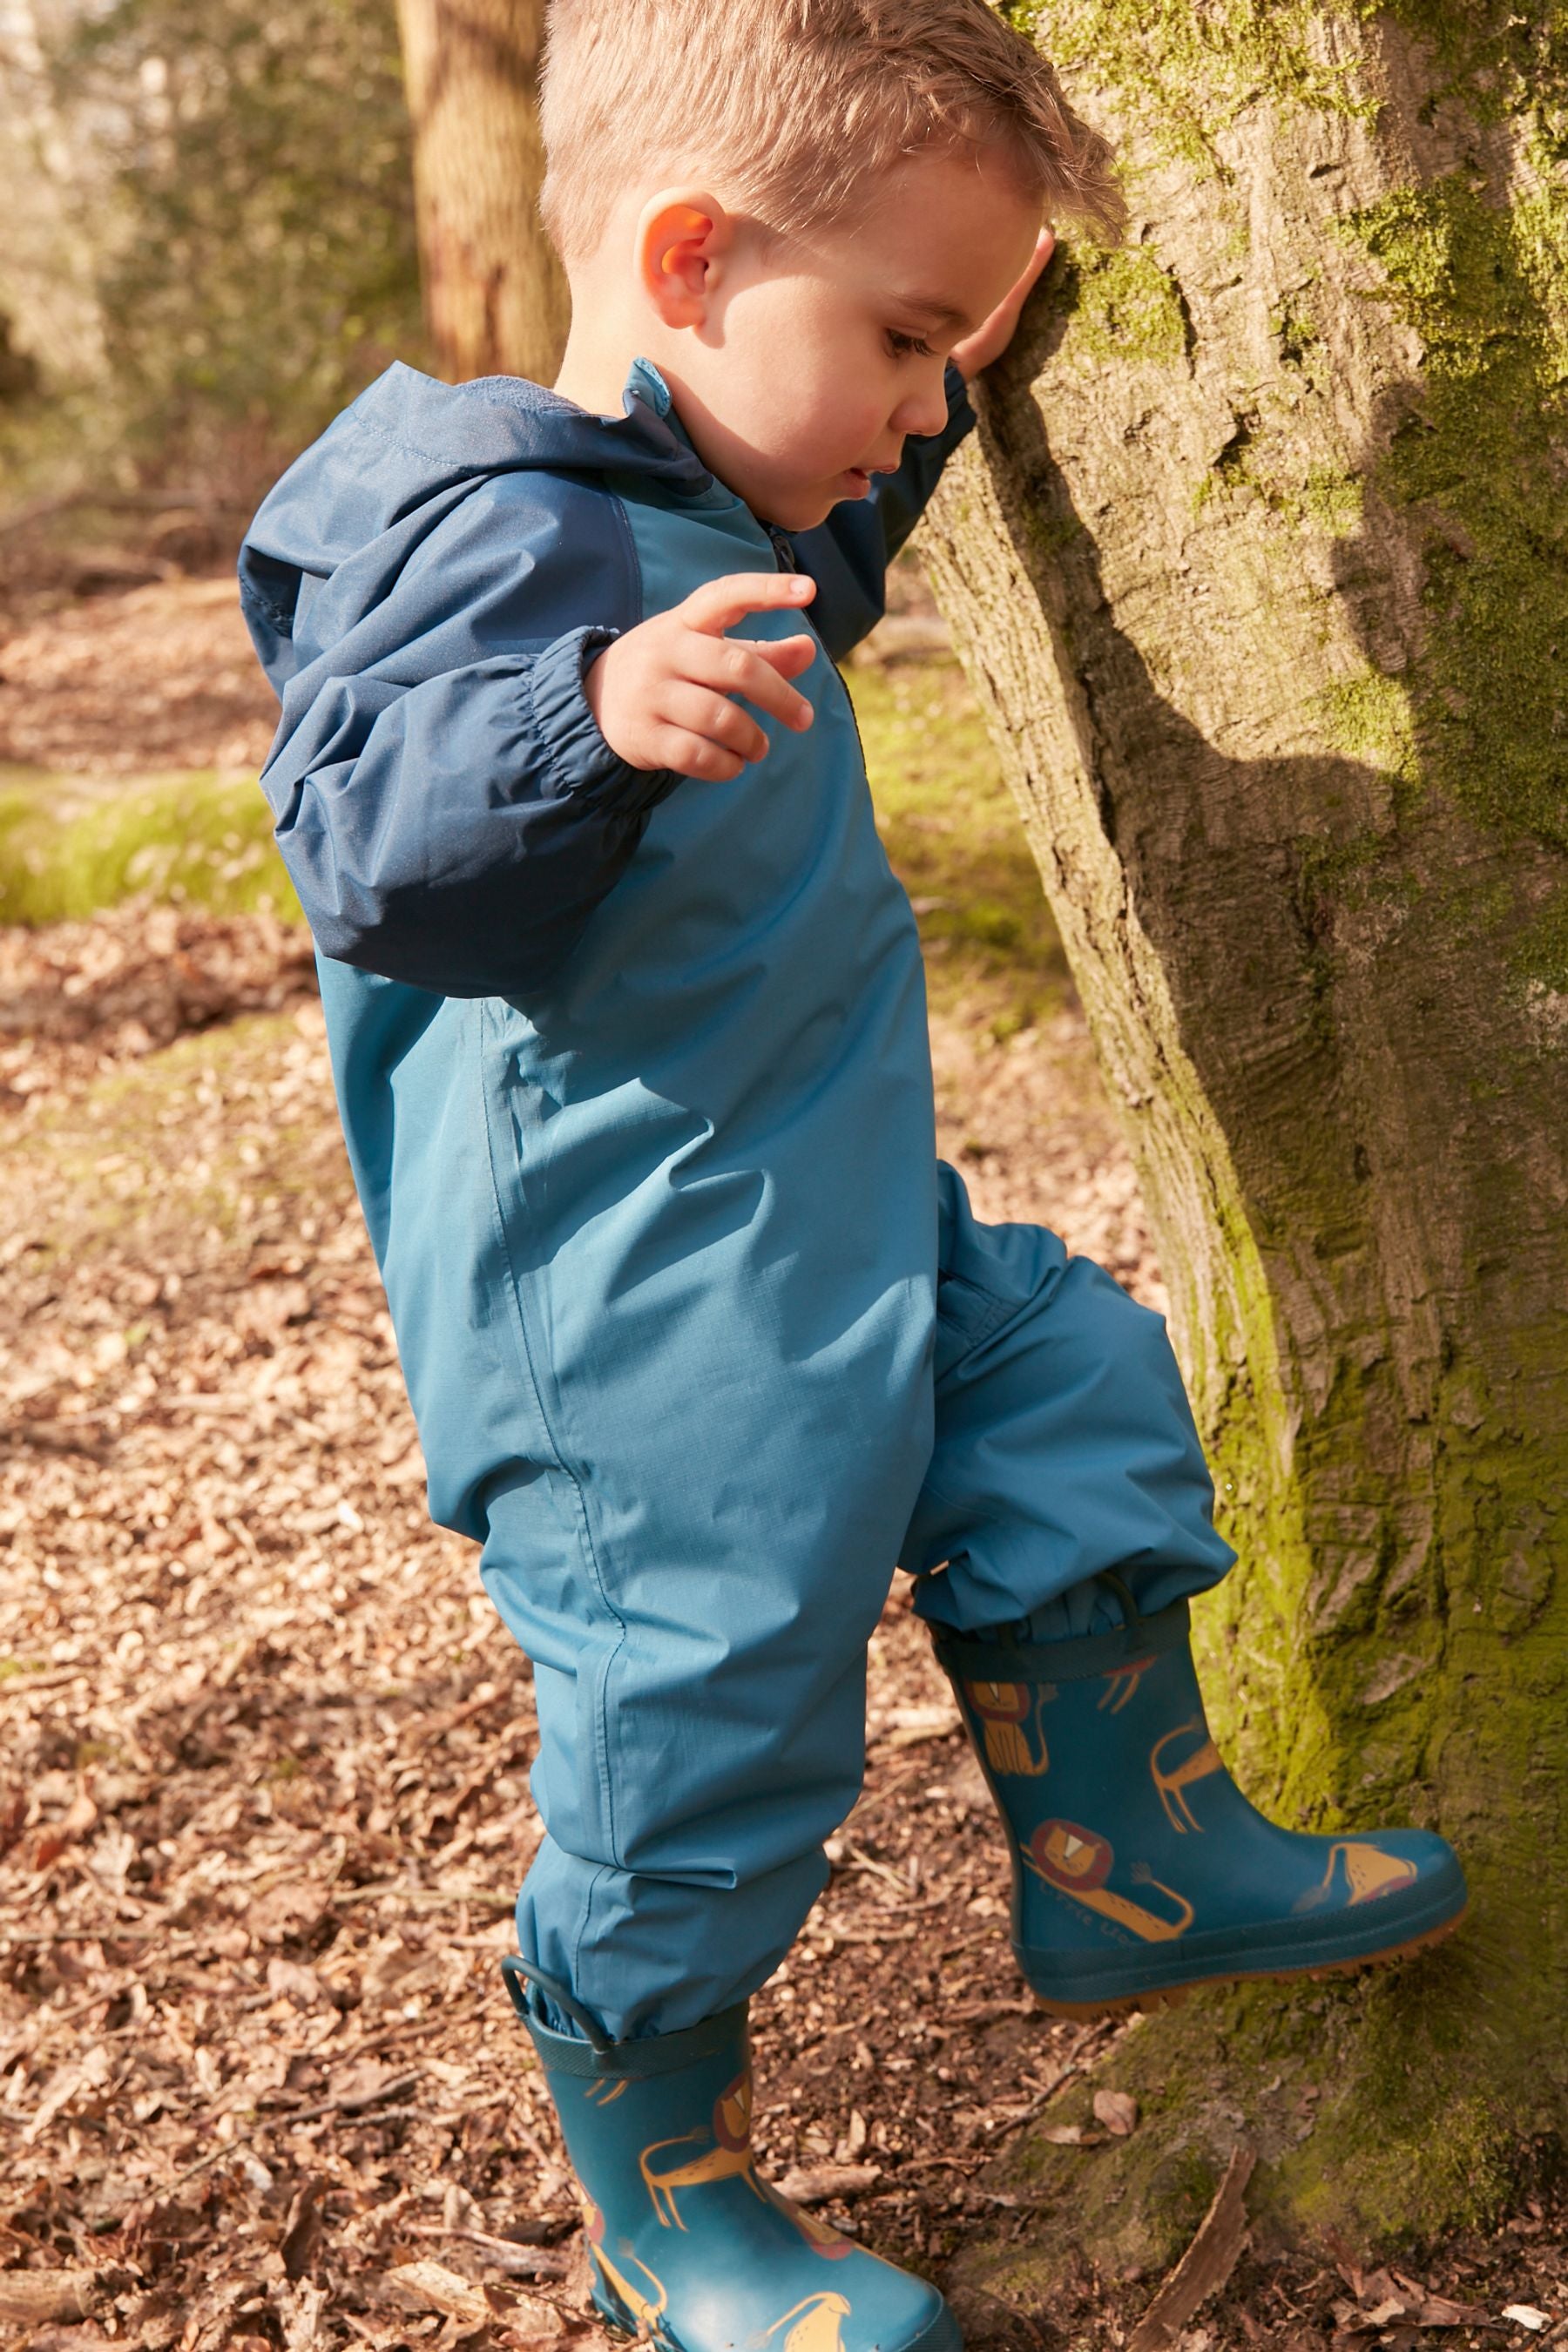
{"points": [[903, 344]]}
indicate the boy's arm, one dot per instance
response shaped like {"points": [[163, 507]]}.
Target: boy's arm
{"points": [[445, 801], [848, 555], [458, 833], [455, 792]]}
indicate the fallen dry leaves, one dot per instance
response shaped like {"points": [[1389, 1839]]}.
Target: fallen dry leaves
{"points": [[80, 692], [78, 1000], [1389, 2299], [1118, 2111], [431, 2286]]}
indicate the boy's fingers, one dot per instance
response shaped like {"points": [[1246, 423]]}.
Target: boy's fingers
{"points": [[992, 337], [1044, 246], [698, 710], [736, 666], [694, 755], [788, 656], [713, 607]]}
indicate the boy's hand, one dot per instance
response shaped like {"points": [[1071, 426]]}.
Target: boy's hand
{"points": [[991, 339], [661, 693]]}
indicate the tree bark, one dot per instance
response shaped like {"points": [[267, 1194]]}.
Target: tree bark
{"points": [[495, 294], [1259, 565]]}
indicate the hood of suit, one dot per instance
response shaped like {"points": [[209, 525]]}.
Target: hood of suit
{"points": [[410, 446]]}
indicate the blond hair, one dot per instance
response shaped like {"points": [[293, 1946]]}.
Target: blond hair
{"points": [[800, 106]]}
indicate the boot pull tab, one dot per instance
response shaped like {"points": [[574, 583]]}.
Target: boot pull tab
{"points": [[524, 1981], [1131, 1615]]}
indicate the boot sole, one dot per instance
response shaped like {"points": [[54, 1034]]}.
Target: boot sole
{"points": [[941, 2334], [1174, 1996]]}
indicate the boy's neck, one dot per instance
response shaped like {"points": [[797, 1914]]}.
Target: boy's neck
{"points": [[594, 366], [590, 390]]}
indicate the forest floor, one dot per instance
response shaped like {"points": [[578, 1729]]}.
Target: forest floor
{"points": [[263, 1795]]}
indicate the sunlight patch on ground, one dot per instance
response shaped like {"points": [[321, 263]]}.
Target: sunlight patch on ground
{"points": [[954, 838]]}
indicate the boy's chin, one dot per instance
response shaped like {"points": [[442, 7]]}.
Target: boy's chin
{"points": [[806, 511]]}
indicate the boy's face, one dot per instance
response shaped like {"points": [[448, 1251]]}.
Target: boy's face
{"points": [[798, 372]]}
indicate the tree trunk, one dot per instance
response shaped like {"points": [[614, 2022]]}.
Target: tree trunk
{"points": [[1260, 564], [495, 294]]}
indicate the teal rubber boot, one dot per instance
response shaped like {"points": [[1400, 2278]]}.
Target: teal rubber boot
{"points": [[1139, 1868], [689, 2245]]}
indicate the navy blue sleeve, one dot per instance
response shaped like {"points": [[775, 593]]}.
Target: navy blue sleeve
{"points": [[848, 555], [457, 834], [447, 808]]}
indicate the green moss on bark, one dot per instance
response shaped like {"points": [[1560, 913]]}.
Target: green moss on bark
{"points": [[1331, 501], [1189, 72], [1479, 459], [1121, 305], [1368, 717], [1423, 1666], [1335, 2086], [1498, 58]]}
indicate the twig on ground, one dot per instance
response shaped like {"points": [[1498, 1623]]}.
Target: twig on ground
{"points": [[521, 2262], [873, 1804], [1208, 2262], [32, 2297], [353, 2104]]}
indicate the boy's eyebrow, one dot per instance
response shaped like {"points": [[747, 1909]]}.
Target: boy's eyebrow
{"points": [[942, 314]]}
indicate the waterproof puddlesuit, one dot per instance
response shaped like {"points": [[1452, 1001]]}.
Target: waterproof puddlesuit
{"points": [[635, 1077]]}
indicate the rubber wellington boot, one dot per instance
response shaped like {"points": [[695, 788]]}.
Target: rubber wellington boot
{"points": [[689, 2244], [1139, 1868]]}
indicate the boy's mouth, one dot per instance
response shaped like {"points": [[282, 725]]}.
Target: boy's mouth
{"points": [[860, 477]]}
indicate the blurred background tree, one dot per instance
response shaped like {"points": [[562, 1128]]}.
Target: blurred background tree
{"points": [[495, 295], [47, 300]]}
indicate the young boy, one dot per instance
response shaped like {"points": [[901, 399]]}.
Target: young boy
{"points": [[629, 1039]]}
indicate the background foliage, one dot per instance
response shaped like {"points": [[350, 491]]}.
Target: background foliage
{"points": [[236, 191]]}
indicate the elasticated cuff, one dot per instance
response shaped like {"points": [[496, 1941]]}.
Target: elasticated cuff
{"points": [[570, 2053], [1069, 1661], [578, 759]]}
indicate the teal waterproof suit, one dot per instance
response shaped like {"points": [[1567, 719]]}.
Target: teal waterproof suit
{"points": [[635, 1076]]}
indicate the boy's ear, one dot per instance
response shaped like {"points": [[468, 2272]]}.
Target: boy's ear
{"points": [[683, 236]]}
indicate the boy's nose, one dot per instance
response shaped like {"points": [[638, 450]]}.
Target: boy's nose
{"points": [[926, 412]]}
